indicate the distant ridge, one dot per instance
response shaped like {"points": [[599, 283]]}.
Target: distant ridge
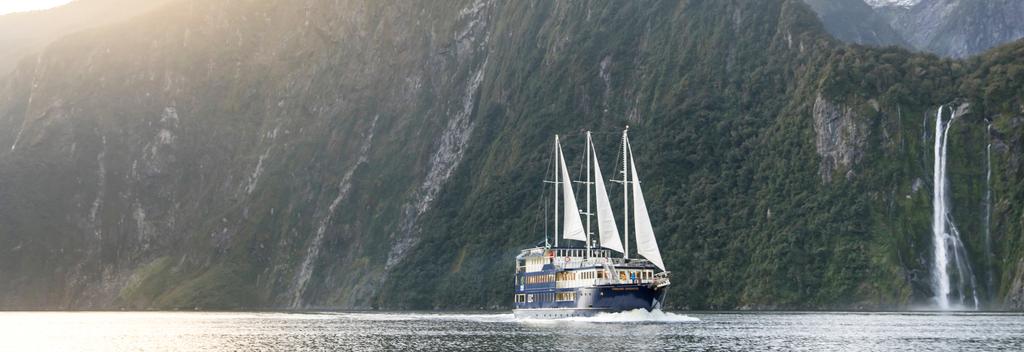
{"points": [[951, 28]]}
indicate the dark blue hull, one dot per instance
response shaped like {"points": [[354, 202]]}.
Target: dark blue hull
{"points": [[590, 301]]}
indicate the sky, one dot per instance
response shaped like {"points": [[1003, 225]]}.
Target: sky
{"points": [[9, 6]]}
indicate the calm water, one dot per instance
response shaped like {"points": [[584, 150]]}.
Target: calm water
{"points": [[145, 331]]}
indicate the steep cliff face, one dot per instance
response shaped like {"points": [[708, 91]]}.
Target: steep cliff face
{"points": [[221, 153], [839, 137], [357, 154]]}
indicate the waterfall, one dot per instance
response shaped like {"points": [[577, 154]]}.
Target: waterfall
{"points": [[946, 238], [987, 221]]}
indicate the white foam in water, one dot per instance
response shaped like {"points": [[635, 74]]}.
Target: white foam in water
{"points": [[487, 318], [633, 316]]}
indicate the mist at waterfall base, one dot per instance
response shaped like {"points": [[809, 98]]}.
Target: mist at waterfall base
{"points": [[668, 331]]}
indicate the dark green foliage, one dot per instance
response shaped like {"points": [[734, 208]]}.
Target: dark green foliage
{"points": [[725, 136], [345, 120]]}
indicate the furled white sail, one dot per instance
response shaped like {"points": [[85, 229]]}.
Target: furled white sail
{"points": [[606, 226], [571, 225], [645, 242]]}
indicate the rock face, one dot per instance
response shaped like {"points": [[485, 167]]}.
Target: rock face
{"points": [[245, 148], [958, 28], [388, 154], [840, 137], [856, 22], [951, 28], [1015, 295]]}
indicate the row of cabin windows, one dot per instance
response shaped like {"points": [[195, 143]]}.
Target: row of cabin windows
{"points": [[583, 275], [545, 297], [580, 253], [536, 261], [540, 279], [587, 275], [539, 297], [640, 275], [565, 296]]}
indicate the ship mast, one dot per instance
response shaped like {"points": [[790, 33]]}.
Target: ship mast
{"points": [[625, 193], [555, 159], [588, 183]]}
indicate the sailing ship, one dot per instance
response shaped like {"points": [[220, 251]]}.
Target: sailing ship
{"points": [[585, 277]]}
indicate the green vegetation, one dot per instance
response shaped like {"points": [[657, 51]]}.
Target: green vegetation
{"points": [[316, 161], [721, 118]]}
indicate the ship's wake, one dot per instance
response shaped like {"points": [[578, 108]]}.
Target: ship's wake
{"points": [[633, 316], [482, 318]]}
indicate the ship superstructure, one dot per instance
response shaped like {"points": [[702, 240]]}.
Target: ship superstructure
{"points": [[585, 276]]}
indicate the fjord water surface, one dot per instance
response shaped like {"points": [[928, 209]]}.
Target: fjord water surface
{"points": [[204, 331]]}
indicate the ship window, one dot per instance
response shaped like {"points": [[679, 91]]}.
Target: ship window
{"points": [[565, 296], [600, 274]]}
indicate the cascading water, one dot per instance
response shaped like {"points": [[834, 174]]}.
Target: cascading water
{"points": [[949, 250], [987, 221]]}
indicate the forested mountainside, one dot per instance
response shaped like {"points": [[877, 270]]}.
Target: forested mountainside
{"points": [[389, 154], [951, 28]]}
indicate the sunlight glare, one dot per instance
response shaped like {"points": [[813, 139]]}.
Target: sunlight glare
{"points": [[11, 6]]}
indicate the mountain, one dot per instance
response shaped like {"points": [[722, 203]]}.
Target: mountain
{"points": [[950, 28], [856, 22], [25, 33], [374, 154], [958, 28]]}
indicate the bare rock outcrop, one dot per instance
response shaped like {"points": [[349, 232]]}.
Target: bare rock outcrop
{"points": [[839, 138]]}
